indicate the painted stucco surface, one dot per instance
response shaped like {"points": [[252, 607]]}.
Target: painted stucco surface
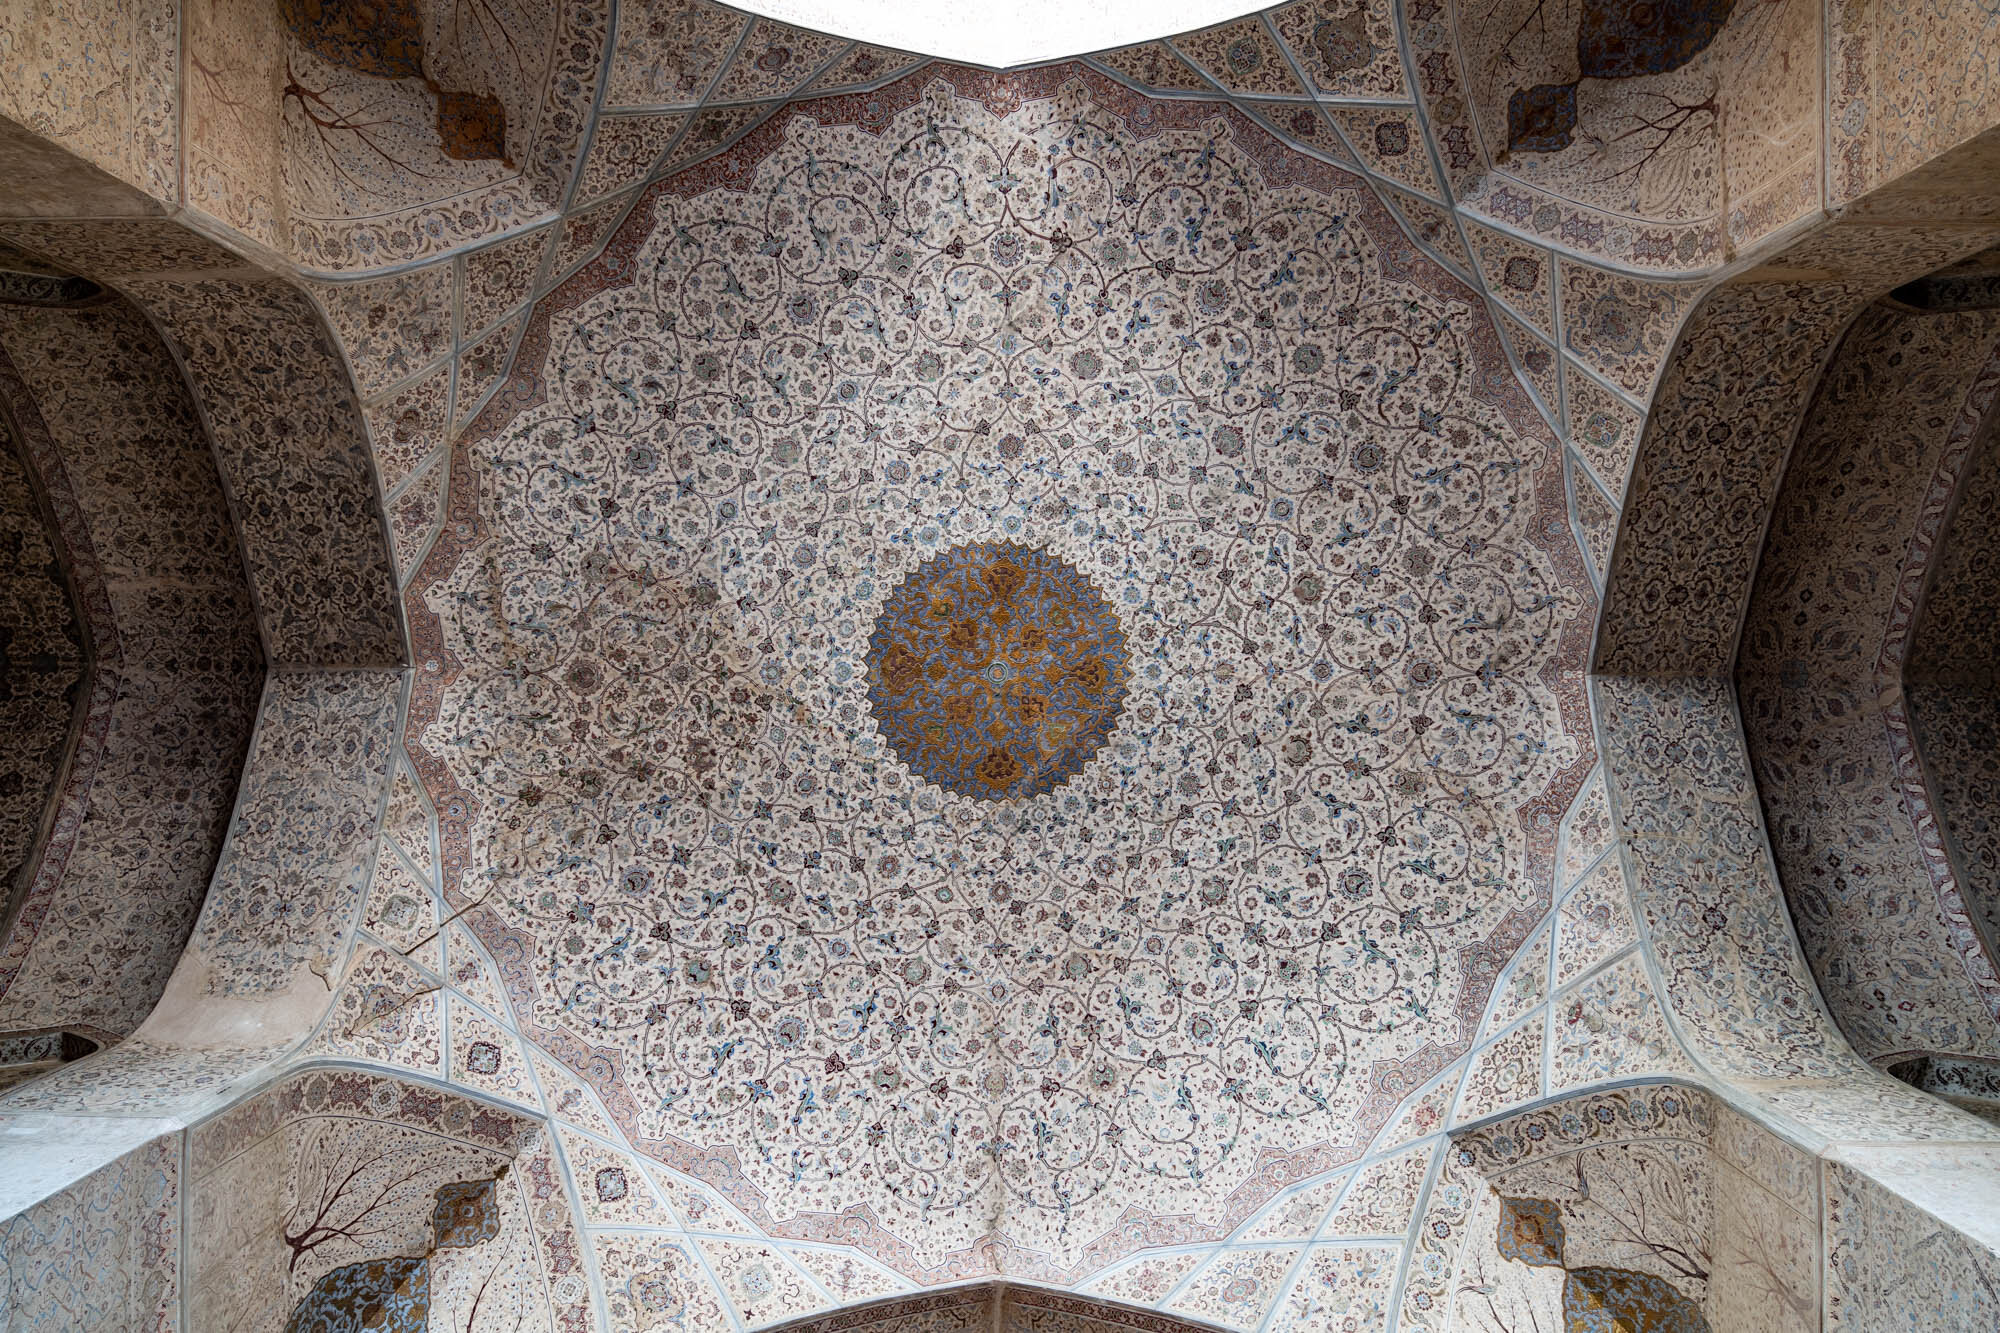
{"points": [[1499, 854]]}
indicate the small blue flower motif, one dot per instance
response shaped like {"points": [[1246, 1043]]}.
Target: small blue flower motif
{"points": [[1281, 509]]}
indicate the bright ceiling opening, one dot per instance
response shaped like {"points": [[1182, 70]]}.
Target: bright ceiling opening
{"points": [[1001, 33]]}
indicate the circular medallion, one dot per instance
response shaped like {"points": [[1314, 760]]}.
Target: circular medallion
{"points": [[996, 671]]}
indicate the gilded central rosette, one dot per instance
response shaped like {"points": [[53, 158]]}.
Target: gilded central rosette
{"points": [[997, 671]]}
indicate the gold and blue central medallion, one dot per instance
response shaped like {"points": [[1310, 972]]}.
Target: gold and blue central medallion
{"points": [[997, 671]]}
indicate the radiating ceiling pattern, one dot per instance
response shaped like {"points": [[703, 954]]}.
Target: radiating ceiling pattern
{"points": [[1331, 351], [1341, 621]]}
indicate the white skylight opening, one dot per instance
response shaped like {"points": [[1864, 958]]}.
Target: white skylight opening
{"points": [[1001, 33]]}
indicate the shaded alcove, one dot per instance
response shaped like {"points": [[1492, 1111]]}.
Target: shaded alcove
{"points": [[159, 663], [43, 650], [1970, 1085], [1951, 679], [1865, 675]]}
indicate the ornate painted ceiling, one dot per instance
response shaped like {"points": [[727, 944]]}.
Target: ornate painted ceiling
{"points": [[1337, 619], [1119, 677]]}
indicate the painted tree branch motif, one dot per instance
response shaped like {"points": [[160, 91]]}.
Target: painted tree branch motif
{"points": [[1625, 97], [1614, 40], [354, 1199], [214, 84], [1649, 1208], [1761, 1277], [1613, 1237], [363, 1200], [367, 127], [1531, 1232], [384, 39], [398, 103]]}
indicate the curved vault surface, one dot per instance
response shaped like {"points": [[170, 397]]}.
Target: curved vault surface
{"points": [[699, 918], [1205, 369]]}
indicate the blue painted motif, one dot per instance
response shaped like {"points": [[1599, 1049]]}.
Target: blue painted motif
{"points": [[1540, 119], [466, 1214], [1595, 1299], [1531, 1231], [1618, 1300], [380, 1295], [393, 1295], [1624, 39]]}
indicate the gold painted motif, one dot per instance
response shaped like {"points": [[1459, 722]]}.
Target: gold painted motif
{"points": [[997, 671]]}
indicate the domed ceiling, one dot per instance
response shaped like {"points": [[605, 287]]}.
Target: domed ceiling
{"points": [[1000, 668], [1194, 410]]}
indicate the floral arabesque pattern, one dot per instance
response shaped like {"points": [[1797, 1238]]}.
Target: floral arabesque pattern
{"points": [[293, 874], [1882, 915], [42, 676], [1950, 676], [104, 1252], [112, 439], [1713, 449], [998, 314]]}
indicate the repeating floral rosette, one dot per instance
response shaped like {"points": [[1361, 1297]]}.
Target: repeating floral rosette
{"points": [[1203, 391]]}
